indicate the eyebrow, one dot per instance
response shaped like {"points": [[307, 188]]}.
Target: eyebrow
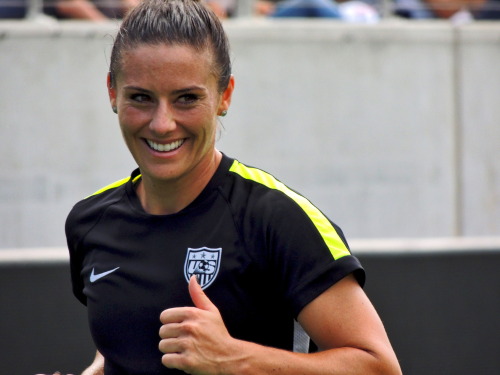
{"points": [[189, 89], [175, 92]]}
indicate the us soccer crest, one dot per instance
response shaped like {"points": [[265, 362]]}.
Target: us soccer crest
{"points": [[204, 263]]}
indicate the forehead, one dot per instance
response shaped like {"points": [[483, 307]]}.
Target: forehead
{"points": [[159, 59]]}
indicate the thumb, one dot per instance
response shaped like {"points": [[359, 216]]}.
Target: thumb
{"points": [[199, 297]]}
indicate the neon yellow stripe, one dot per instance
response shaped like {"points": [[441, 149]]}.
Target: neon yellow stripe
{"points": [[115, 184], [322, 224]]}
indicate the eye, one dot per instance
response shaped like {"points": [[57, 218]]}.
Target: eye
{"points": [[188, 99], [140, 98]]}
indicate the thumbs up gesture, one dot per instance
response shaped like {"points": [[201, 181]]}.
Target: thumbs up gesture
{"points": [[195, 339]]}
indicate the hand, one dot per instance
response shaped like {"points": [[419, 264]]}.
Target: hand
{"points": [[195, 339], [97, 367]]}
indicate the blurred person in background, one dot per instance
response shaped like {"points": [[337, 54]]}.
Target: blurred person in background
{"points": [[95, 10], [13, 9], [92, 10], [454, 10], [223, 8], [350, 11], [306, 8]]}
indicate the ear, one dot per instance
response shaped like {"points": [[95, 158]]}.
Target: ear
{"points": [[111, 90], [225, 101]]}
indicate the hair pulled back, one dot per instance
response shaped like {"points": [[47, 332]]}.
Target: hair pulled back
{"points": [[174, 22]]}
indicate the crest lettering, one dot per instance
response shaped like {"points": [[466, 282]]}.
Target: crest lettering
{"points": [[204, 263]]}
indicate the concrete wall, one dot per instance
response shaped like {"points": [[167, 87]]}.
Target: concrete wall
{"points": [[391, 129], [439, 301]]}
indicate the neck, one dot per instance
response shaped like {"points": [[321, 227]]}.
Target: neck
{"points": [[170, 197]]}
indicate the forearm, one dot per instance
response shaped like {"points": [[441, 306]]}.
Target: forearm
{"points": [[341, 321], [447, 8], [259, 360], [80, 9]]}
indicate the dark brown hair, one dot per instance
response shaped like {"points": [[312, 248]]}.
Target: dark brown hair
{"points": [[174, 22]]}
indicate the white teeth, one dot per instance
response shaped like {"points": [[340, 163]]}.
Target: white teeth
{"points": [[165, 147]]}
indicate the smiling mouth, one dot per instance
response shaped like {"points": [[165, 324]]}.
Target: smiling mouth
{"points": [[165, 147]]}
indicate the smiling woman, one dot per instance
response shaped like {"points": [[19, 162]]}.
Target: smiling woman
{"points": [[198, 263], [167, 101]]}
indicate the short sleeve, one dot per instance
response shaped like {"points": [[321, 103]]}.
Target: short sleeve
{"points": [[308, 253]]}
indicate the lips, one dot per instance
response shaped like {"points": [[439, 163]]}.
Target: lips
{"points": [[165, 147]]}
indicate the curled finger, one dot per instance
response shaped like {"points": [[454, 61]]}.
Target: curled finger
{"points": [[172, 345], [171, 330]]}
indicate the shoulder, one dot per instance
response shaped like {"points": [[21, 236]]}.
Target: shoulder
{"points": [[102, 198], [270, 194], [269, 203], [257, 191], [259, 184], [87, 211]]}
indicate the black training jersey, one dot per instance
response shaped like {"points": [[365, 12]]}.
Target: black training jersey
{"points": [[262, 252]]}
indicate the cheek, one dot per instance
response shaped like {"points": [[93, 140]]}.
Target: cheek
{"points": [[126, 135], [131, 119], [210, 128], [203, 120]]}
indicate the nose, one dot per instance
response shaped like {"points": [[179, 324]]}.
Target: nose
{"points": [[163, 120]]}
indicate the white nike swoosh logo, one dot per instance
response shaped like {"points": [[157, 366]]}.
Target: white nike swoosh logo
{"points": [[94, 277]]}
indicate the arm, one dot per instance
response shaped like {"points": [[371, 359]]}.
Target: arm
{"points": [[447, 8], [97, 367], [341, 321], [80, 9], [86, 10]]}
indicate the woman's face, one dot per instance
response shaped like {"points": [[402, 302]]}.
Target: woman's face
{"points": [[168, 103]]}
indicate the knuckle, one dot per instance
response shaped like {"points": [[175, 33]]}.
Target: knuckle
{"points": [[188, 328]]}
